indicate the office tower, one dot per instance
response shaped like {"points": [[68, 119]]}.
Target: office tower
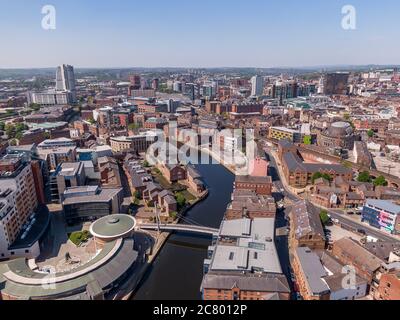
{"points": [[336, 83], [284, 90], [257, 86], [65, 78], [136, 82], [155, 84], [65, 81]]}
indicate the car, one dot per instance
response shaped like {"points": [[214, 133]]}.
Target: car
{"points": [[361, 231], [350, 212]]}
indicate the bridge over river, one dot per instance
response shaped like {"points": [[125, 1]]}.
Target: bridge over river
{"points": [[181, 227]]}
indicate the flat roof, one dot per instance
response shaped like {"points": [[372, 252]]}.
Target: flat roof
{"points": [[313, 270], [116, 225], [254, 249]]}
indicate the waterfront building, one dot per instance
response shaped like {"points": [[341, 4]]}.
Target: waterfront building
{"points": [[260, 185], [104, 277], [87, 203], [247, 204], [243, 263]]}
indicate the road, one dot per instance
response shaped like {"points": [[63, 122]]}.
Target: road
{"points": [[343, 220]]}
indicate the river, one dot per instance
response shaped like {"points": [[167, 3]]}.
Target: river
{"points": [[177, 272]]}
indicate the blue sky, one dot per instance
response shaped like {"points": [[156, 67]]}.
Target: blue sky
{"points": [[198, 33]]}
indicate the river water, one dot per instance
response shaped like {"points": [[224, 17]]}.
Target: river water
{"points": [[177, 272]]}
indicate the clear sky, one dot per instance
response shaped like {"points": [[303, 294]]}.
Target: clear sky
{"points": [[198, 33]]}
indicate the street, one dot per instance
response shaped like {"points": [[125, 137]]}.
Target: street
{"points": [[343, 220]]}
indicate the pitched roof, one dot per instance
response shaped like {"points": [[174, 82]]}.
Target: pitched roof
{"points": [[306, 220]]}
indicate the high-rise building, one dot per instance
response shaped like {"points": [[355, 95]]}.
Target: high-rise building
{"points": [[257, 86], [336, 83], [18, 201], [65, 81], [65, 78], [136, 82]]}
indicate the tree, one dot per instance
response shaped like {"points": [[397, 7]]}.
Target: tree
{"points": [[13, 142], [364, 177], [346, 116], [2, 125], [19, 135], [180, 199], [370, 133], [146, 164], [318, 175], [10, 131], [380, 181], [324, 217], [307, 140], [137, 195], [34, 106]]}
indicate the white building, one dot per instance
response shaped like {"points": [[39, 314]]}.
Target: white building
{"points": [[257, 86]]}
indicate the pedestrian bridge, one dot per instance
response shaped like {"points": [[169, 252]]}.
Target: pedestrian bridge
{"points": [[180, 227]]}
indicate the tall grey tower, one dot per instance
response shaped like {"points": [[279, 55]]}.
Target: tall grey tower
{"points": [[65, 79], [257, 86]]}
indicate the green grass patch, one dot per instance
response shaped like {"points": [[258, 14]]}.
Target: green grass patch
{"points": [[79, 237]]}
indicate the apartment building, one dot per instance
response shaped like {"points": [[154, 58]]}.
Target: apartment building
{"points": [[247, 204], [243, 263], [18, 202], [306, 229], [260, 185]]}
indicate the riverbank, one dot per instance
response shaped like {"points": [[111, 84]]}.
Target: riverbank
{"points": [[159, 241]]}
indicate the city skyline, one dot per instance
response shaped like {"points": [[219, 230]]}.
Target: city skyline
{"points": [[273, 34]]}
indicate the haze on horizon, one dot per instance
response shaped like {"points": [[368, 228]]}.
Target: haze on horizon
{"points": [[206, 34]]}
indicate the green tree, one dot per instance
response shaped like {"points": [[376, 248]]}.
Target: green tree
{"points": [[318, 175], [2, 125], [346, 116], [34, 106], [324, 217], [146, 164], [307, 140], [380, 181], [180, 199], [13, 142], [137, 195], [19, 135], [364, 177], [370, 133], [10, 131]]}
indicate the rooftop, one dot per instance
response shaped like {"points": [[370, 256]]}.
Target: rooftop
{"points": [[113, 226]]}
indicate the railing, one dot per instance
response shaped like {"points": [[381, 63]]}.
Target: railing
{"points": [[180, 227]]}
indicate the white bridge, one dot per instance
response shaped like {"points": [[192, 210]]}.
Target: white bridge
{"points": [[180, 227]]}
